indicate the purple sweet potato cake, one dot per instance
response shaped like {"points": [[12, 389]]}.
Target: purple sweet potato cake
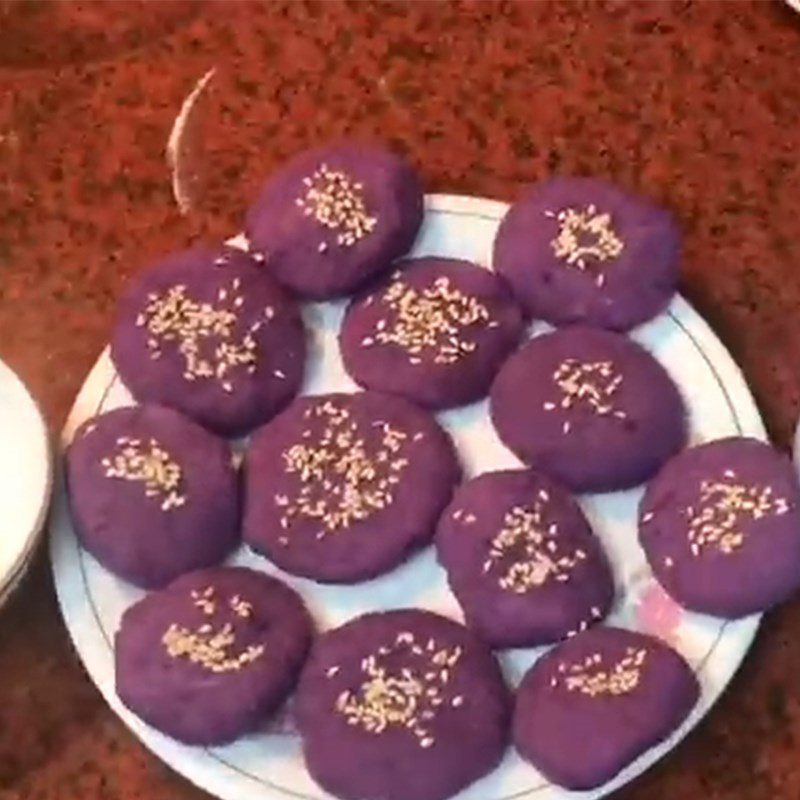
{"points": [[522, 560], [210, 657], [333, 218], [210, 333], [402, 705], [583, 251], [152, 494], [435, 332], [595, 703], [720, 525], [591, 408], [343, 487]]}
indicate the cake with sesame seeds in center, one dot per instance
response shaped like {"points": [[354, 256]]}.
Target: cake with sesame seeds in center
{"points": [[213, 655], [590, 706], [152, 494], [341, 488], [332, 218], [583, 251], [720, 525], [522, 560], [435, 332], [401, 705], [591, 408], [210, 333]]}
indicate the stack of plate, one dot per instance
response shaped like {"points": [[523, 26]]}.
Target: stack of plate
{"points": [[25, 479]]}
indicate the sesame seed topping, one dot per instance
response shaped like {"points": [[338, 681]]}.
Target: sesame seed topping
{"points": [[587, 385], [152, 466], [203, 334], [344, 474], [716, 519], [337, 202], [585, 236], [399, 690], [526, 551], [591, 678], [242, 608], [647, 517], [430, 320], [212, 649]]}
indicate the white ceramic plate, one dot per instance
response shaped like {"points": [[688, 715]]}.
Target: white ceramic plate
{"points": [[25, 478], [269, 766]]}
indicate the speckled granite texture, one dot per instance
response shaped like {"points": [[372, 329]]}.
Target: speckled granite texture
{"points": [[696, 104]]}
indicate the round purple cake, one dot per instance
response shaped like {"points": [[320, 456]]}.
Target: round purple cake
{"points": [[209, 658], [403, 705], [581, 250], [152, 494], [435, 332], [591, 408], [343, 487], [720, 525], [210, 334], [334, 217], [595, 703], [522, 560]]}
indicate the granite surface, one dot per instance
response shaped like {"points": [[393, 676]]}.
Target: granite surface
{"points": [[697, 104]]}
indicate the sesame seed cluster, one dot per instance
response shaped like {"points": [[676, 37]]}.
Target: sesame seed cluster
{"points": [[209, 646], [589, 385], [149, 464], [526, 553], [204, 333], [408, 696], [585, 236], [345, 477], [337, 202], [430, 321], [592, 678], [715, 521]]}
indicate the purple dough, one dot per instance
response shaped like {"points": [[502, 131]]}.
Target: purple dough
{"points": [[591, 408], [581, 250], [592, 705], [343, 487], [404, 705], [210, 657], [334, 217], [210, 334], [435, 332], [522, 560], [720, 525], [152, 494]]}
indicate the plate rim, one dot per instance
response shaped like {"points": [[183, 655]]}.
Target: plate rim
{"points": [[203, 768]]}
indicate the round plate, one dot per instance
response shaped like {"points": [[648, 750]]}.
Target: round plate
{"points": [[25, 477], [269, 766]]}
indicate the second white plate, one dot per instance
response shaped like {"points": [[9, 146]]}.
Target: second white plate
{"points": [[25, 478]]}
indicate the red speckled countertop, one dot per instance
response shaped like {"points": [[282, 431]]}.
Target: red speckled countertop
{"points": [[696, 104]]}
